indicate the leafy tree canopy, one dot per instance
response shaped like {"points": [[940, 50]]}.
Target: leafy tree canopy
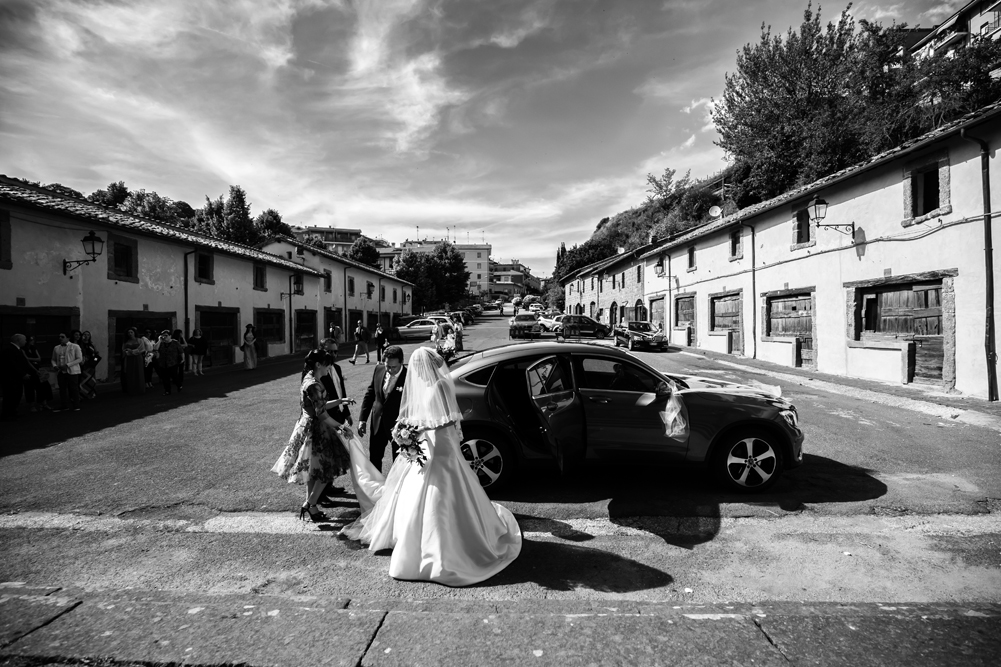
{"points": [[439, 277], [112, 196], [269, 223], [364, 251]]}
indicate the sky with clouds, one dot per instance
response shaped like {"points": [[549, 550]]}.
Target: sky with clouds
{"points": [[520, 122]]}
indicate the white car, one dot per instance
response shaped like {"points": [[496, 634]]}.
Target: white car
{"points": [[549, 323]]}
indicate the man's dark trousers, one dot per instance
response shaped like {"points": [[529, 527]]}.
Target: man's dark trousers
{"points": [[13, 389], [384, 410]]}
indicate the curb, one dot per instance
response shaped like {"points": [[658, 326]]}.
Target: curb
{"points": [[963, 415]]}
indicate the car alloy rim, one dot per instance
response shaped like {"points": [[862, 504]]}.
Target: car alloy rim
{"points": [[751, 462], [485, 460]]}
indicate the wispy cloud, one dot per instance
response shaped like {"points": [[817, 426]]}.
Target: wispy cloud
{"points": [[942, 10], [695, 104], [527, 121]]}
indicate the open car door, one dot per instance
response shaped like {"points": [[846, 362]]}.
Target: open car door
{"points": [[558, 408]]}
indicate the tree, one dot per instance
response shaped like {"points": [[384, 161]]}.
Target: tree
{"points": [[414, 267], [364, 251], [237, 224], [210, 219], [65, 190], [450, 274], [953, 85], [112, 196], [315, 241], [184, 215], [789, 110], [439, 277], [149, 205], [269, 223]]}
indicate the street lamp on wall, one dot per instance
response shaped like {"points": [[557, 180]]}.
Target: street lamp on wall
{"points": [[93, 245], [817, 208]]}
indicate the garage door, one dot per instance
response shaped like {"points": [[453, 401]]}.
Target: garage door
{"points": [[909, 312], [793, 316], [726, 317]]}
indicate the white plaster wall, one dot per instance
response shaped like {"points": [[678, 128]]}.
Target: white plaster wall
{"points": [[874, 364], [875, 202]]}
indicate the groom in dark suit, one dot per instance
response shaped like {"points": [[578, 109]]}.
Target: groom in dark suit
{"points": [[382, 402]]}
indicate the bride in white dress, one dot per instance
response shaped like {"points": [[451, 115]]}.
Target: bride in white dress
{"points": [[437, 519]]}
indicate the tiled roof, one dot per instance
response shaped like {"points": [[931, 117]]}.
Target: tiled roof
{"points": [[601, 265], [332, 255], [801, 192], [81, 209]]}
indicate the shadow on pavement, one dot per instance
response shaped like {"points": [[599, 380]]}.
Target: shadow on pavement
{"points": [[567, 567], [688, 496], [37, 430]]}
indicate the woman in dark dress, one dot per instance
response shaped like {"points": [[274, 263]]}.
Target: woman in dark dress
{"points": [[199, 347], [314, 455], [31, 387], [133, 364], [88, 383], [178, 335]]}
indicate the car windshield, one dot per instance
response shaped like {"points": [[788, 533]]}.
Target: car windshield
{"points": [[524, 318], [642, 327]]}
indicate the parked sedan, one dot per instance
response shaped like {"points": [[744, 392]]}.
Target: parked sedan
{"points": [[640, 334], [577, 403], [575, 326], [525, 325], [417, 330]]}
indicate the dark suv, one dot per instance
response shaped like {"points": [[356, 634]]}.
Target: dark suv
{"points": [[571, 403]]}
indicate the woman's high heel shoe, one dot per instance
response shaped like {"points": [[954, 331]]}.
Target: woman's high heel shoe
{"points": [[314, 513]]}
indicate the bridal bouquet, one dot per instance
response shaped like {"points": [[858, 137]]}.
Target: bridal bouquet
{"points": [[446, 348], [406, 435]]}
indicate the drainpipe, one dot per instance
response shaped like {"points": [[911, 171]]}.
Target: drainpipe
{"points": [[669, 306], [291, 328], [187, 320], [989, 333], [754, 293], [344, 315], [378, 295]]}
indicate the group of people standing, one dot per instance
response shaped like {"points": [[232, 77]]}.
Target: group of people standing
{"points": [[166, 355], [431, 509], [73, 363]]}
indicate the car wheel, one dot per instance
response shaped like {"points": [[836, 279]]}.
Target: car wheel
{"points": [[490, 456], [749, 461], [630, 345], [601, 333]]}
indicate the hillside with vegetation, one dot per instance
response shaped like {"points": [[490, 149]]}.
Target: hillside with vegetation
{"points": [[799, 107]]}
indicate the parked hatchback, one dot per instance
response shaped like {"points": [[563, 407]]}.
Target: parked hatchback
{"points": [[575, 326], [573, 403]]}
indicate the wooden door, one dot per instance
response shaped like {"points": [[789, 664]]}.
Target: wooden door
{"points": [[910, 312], [219, 331], [793, 316], [726, 317], [657, 313]]}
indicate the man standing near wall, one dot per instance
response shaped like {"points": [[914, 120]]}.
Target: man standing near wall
{"points": [[15, 369], [66, 359]]}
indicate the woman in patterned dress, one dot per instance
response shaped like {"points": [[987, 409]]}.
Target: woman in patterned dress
{"points": [[314, 455]]}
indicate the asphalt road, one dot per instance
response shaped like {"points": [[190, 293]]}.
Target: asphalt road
{"points": [[175, 493]]}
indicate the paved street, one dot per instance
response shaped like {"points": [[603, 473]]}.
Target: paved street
{"points": [[171, 497]]}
